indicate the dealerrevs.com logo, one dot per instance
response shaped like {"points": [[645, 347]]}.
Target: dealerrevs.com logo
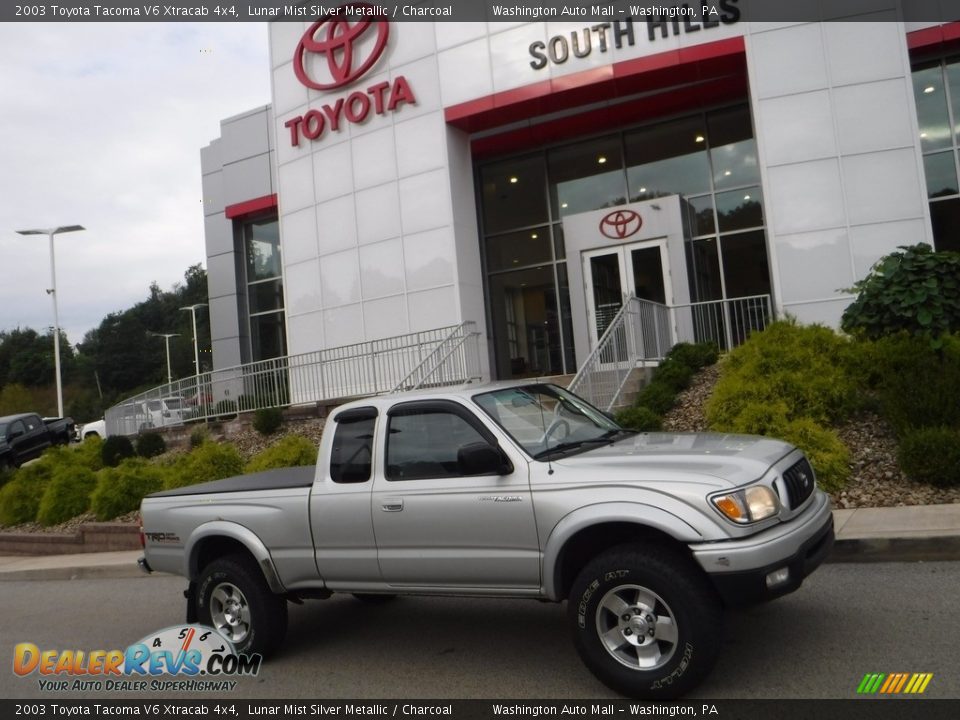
{"points": [[186, 658], [335, 52]]}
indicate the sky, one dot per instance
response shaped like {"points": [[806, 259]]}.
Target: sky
{"points": [[101, 125]]}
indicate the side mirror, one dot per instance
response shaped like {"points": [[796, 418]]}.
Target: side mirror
{"points": [[481, 458]]}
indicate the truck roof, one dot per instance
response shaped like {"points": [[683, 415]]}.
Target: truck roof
{"points": [[462, 392], [18, 416]]}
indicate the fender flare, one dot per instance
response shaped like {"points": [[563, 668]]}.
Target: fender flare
{"points": [[640, 514], [234, 531]]}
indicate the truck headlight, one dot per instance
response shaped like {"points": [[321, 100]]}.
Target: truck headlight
{"points": [[749, 505]]}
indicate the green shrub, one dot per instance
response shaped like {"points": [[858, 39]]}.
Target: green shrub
{"points": [[640, 419], [88, 454], [198, 436], [674, 374], [804, 367], [114, 449], [914, 289], [824, 448], [150, 445], [67, 494], [120, 489], [268, 420], [694, 355], [210, 461], [931, 455], [657, 397], [20, 498], [291, 451], [917, 386]]}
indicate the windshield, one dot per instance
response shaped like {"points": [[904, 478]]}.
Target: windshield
{"points": [[546, 419]]}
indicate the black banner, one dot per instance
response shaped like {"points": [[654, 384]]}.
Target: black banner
{"points": [[482, 10], [902, 708]]}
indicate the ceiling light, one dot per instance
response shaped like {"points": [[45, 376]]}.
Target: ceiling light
{"points": [[563, 205], [929, 89], [515, 261], [923, 135], [602, 159], [513, 179], [533, 235], [746, 197], [726, 173], [699, 138], [643, 189]]}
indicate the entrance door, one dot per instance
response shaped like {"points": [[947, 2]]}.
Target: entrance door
{"points": [[614, 273]]}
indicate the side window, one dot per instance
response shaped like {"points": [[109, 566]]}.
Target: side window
{"points": [[423, 444], [352, 454], [32, 423], [16, 428]]}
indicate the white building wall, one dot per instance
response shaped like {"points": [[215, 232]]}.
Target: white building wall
{"points": [[842, 170]]}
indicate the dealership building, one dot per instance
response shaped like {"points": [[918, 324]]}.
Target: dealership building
{"points": [[526, 177]]}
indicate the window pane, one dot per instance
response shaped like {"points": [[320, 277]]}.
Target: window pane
{"points": [[263, 250], [268, 338], [931, 102], [745, 266], [703, 267], [266, 296], [667, 159], [945, 218], [514, 194], [352, 451], [526, 333], [559, 244], [699, 215], [425, 444], [586, 176], [527, 247], [739, 209], [733, 151], [953, 80], [566, 317], [941, 173]]}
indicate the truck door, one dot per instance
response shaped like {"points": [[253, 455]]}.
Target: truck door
{"points": [[437, 526]]}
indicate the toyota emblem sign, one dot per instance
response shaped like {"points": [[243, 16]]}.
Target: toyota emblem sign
{"points": [[620, 224], [341, 44]]}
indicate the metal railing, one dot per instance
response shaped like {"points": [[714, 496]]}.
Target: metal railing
{"points": [[643, 332], [455, 361], [444, 356]]}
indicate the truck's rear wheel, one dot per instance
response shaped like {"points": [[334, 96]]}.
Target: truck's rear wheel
{"points": [[234, 598], [647, 623]]}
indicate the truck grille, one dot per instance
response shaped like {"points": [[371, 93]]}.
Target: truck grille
{"points": [[799, 481]]}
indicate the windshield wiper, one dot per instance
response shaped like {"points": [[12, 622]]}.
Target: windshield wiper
{"points": [[605, 439]]}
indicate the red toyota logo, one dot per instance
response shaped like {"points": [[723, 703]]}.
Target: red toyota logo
{"points": [[620, 224], [337, 44]]}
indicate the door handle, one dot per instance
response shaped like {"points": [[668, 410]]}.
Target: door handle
{"points": [[392, 506]]}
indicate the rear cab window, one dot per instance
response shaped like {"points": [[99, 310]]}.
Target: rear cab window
{"points": [[351, 457]]}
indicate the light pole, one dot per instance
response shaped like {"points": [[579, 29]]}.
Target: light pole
{"points": [[196, 351], [52, 292], [166, 337]]}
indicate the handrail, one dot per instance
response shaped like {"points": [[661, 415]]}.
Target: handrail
{"points": [[461, 328]]}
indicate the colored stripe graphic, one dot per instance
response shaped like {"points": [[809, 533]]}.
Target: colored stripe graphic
{"points": [[894, 683]]}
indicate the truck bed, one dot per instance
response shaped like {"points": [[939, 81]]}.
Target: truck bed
{"points": [[282, 478]]}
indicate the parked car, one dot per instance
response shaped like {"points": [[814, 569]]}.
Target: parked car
{"points": [[133, 418], [97, 428], [25, 436], [508, 490]]}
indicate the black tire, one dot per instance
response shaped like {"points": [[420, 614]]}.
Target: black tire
{"points": [[233, 597], [651, 589], [375, 598]]}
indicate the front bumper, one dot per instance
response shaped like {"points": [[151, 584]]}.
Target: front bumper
{"points": [[739, 569]]}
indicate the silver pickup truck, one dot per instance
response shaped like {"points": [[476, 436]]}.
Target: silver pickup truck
{"points": [[507, 490]]}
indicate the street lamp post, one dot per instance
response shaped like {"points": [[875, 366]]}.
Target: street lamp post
{"points": [[196, 351], [52, 292], [166, 337]]}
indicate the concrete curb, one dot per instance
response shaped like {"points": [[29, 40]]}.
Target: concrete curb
{"points": [[896, 549]]}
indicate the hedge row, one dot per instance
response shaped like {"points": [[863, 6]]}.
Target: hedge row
{"points": [[66, 482]]}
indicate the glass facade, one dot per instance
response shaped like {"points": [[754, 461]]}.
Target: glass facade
{"points": [[709, 159], [264, 288], [936, 89]]}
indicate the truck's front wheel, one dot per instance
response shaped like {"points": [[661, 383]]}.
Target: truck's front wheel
{"points": [[233, 597], [646, 623]]}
